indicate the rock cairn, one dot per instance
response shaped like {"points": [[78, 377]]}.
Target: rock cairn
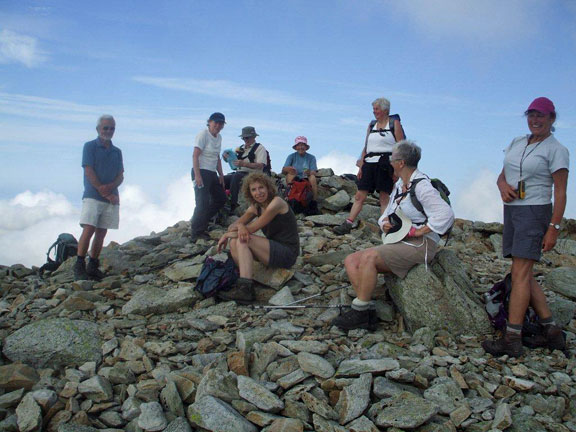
{"points": [[142, 351]]}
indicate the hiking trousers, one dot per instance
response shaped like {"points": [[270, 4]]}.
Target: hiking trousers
{"points": [[209, 199], [235, 185]]}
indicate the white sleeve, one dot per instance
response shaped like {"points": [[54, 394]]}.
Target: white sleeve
{"points": [[260, 156], [440, 214], [200, 141]]}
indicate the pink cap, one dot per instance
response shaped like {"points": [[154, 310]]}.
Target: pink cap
{"points": [[300, 139], [543, 105]]}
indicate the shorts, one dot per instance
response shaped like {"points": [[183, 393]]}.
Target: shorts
{"points": [[281, 255], [402, 256], [524, 229], [99, 214], [377, 176]]}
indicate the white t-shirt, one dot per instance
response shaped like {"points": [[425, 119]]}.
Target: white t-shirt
{"points": [[259, 157], [440, 214], [539, 161], [379, 142], [210, 146]]}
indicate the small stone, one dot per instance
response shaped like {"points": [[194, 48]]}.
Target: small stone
{"points": [[96, 388], [460, 414], [315, 365], [15, 376], [29, 414], [519, 384], [502, 417], [152, 417], [258, 395]]}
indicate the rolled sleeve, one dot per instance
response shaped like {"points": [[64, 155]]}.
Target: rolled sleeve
{"points": [[440, 214]]}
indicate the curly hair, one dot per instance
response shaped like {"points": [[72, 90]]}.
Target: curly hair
{"points": [[261, 178]]}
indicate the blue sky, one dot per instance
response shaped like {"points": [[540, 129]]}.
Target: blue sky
{"points": [[460, 73]]}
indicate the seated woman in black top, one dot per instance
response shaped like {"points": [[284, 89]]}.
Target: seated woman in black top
{"points": [[279, 248]]}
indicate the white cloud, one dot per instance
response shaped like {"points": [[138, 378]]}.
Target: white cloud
{"points": [[19, 48], [340, 163], [479, 200], [231, 90], [30, 222], [480, 21]]}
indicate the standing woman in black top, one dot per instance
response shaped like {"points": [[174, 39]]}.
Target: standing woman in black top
{"points": [[279, 248]]}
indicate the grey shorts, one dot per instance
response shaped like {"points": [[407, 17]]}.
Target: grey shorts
{"points": [[402, 256], [281, 255], [99, 214], [524, 229]]}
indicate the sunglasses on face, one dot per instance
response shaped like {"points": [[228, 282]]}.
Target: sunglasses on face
{"points": [[107, 128]]}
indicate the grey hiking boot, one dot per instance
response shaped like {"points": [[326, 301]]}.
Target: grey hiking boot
{"points": [[509, 343], [354, 319], [80, 270], [93, 271], [242, 292], [343, 228]]}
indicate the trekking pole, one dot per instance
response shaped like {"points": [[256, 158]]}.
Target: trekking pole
{"points": [[267, 307], [314, 296]]}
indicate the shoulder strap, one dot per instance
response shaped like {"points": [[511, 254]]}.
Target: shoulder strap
{"points": [[391, 120], [52, 247], [415, 201], [251, 157]]}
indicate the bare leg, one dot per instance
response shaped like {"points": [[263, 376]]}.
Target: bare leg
{"points": [[521, 289], [314, 184], [290, 177], [98, 242], [384, 199], [85, 237], [358, 203], [363, 268], [244, 254], [538, 300]]}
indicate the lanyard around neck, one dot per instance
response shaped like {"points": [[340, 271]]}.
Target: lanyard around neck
{"points": [[524, 155]]}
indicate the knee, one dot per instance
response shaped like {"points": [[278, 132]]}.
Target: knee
{"points": [[352, 261], [360, 196]]}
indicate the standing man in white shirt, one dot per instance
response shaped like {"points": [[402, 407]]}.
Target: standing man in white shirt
{"points": [[207, 176]]}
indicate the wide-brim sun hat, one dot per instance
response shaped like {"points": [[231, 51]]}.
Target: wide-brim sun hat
{"points": [[401, 225], [542, 105], [301, 139], [248, 132]]}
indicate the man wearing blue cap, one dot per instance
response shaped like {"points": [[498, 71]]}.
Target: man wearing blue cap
{"points": [[207, 176]]}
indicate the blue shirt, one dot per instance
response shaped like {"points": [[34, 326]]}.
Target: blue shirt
{"points": [[301, 163], [106, 163]]}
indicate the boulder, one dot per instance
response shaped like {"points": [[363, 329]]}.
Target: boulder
{"points": [[272, 277], [561, 280], [156, 300], [440, 298], [54, 343], [337, 202]]}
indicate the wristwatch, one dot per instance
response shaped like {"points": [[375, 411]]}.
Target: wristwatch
{"points": [[556, 226]]}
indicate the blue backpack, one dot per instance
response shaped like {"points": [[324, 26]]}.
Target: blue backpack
{"points": [[216, 276]]}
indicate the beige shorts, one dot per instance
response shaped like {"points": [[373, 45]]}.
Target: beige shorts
{"points": [[402, 256], [99, 214]]}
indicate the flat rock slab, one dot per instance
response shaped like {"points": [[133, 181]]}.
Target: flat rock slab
{"points": [[216, 415], [54, 343], [149, 300], [406, 411], [358, 367]]}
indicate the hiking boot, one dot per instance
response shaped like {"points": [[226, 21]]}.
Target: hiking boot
{"points": [[242, 292], [509, 343], [80, 270], [343, 228], [313, 209], [93, 271], [552, 338], [354, 319]]}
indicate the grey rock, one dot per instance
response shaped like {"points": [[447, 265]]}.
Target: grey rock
{"points": [[130, 408], [362, 424], [384, 311], [561, 280], [287, 328], [337, 202], [152, 417], [258, 395], [11, 399], [29, 414], [359, 367], [183, 270], [282, 297], [178, 425], [406, 411], [566, 247], [112, 419], [445, 393], [216, 415], [222, 385], [171, 399], [149, 300], [354, 399], [333, 258], [440, 298], [293, 378], [96, 388], [319, 406], [311, 346], [370, 212], [384, 388], [273, 277], [246, 339], [562, 310], [54, 343], [325, 219], [69, 427], [502, 417], [315, 365]]}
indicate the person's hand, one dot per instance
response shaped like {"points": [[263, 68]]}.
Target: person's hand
{"points": [[306, 172], [114, 199], [243, 233], [238, 163], [549, 239], [507, 192], [222, 182], [222, 243], [386, 225], [105, 189], [359, 175], [291, 170], [199, 182]]}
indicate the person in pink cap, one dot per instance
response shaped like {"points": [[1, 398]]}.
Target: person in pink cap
{"points": [[303, 165], [535, 170]]}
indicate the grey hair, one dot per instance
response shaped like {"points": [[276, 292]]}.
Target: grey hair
{"points": [[409, 152], [104, 117], [383, 103]]}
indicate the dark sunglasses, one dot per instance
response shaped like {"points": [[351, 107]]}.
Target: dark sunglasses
{"points": [[107, 128]]}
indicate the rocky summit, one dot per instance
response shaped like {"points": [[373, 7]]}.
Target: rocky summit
{"points": [[142, 351]]}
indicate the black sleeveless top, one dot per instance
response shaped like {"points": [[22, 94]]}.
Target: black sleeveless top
{"points": [[283, 229]]}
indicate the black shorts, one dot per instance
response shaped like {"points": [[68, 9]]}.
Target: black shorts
{"points": [[377, 176], [524, 229], [281, 255]]}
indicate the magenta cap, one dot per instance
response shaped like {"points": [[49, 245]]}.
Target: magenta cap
{"points": [[543, 105]]}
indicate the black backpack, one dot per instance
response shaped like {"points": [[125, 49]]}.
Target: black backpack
{"points": [[66, 246], [216, 276], [440, 187], [391, 119], [251, 157]]}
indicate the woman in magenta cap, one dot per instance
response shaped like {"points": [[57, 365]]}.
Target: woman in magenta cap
{"points": [[535, 168]]}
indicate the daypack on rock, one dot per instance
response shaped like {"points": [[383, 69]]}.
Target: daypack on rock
{"points": [[496, 304], [299, 195], [66, 246], [440, 187], [251, 157], [216, 276]]}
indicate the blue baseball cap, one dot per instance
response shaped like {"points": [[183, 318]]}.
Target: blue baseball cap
{"points": [[217, 117]]}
